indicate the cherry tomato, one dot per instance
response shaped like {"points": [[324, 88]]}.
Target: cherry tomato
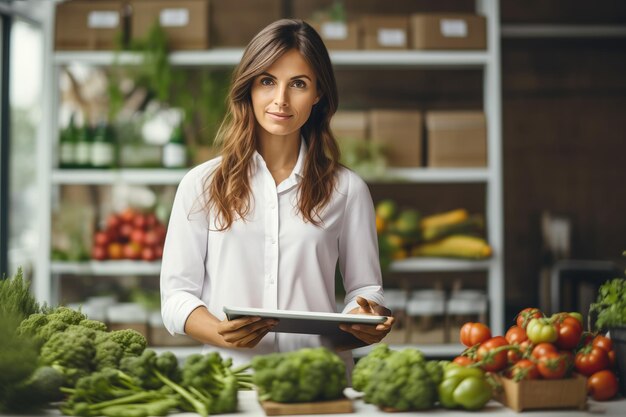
{"points": [[569, 331], [602, 385], [552, 366], [590, 360], [524, 369], [463, 361], [527, 314], [474, 333], [515, 335], [493, 361], [542, 349]]}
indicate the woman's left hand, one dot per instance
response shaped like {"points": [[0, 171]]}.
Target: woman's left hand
{"points": [[366, 332]]}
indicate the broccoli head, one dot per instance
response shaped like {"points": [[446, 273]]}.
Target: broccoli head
{"points": [[402, 383], [42, 326], [308, 374], [73, 349], [368, 365], [94, 325], [132, 342], [211, 378]]}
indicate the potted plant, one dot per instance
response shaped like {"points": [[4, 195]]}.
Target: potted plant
{"points": [[610, 314]]}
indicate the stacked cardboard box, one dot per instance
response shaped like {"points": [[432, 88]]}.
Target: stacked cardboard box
{"points": [[384, 32], [400, 132], [338, 35], [235, 23], [456, 139], [448, 31], [89, 25]]}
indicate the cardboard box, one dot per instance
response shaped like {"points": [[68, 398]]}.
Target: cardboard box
{"points": [[456, 139], [349, 124], [89, 25], [235, 23], [448, 31], [400, 133], [338, 35], [384, 32], [543, 394], [186, 22]]}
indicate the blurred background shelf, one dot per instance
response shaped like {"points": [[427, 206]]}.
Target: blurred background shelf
{"points": [[115, 268], [114, 176], [429, 350], [433, 175], [439, 265], [230, 57]]}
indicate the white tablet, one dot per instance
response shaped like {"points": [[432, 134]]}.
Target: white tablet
{"points": [[307, 322]]}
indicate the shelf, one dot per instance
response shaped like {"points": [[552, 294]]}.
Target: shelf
{"points": [[231, 57], [429, 350], [439, 265], [114, 268], [433, 175], [114, 176], [519, 30]]}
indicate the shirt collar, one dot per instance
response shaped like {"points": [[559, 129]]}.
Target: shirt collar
{"points": [[297, 169]]}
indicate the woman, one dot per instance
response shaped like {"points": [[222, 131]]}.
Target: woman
{"points": [[265, 224]]}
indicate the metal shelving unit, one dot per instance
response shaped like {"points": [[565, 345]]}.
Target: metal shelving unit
{"points": [[491, 176]]}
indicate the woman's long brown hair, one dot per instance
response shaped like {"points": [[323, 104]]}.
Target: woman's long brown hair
{"points": [[228, 187]]}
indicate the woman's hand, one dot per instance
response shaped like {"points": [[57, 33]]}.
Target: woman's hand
{"points": [[244, 332], [366, 332]]}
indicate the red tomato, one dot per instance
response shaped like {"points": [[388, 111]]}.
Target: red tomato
{"points": [[127, 215], [474, 333], [493, 362], [138, 236], [125, 231], [515, 335], [569, 331], [147, 254], [611, 355], [132, 250], [139, 221], [524, 369], [113, 221], [463, 361], [569, 359], [603, 343], [513, 356], [542, 349], [158, 251], [602, 385], [552, 366], [526, 315], [151, 220], [101, 238], [590, 360], [99, 253], [151, 238]]}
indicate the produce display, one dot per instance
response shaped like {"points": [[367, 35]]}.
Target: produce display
{"points": [[58, 354], [130, 234], [540, 347], [405, 233]]}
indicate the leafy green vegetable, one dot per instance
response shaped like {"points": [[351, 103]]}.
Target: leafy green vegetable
{"points": [[368, 366], [610, 306], [15, 297], [310, 374]]}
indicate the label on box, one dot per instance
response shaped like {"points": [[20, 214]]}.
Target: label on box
{"points": [[102, 19], [174, 17], [334, 30], [391, 37], [453, 28]]}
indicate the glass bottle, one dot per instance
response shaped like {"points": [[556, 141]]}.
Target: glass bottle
{"points": [[67, 145], [83, 147], [103, 147], [175, 151]]}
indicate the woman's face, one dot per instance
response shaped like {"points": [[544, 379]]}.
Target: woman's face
{"points": [[283, 95]]}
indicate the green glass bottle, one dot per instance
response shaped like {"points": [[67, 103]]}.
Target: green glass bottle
{"points": [[175, 151], [103, 147], [67, 145], [83, 147]]}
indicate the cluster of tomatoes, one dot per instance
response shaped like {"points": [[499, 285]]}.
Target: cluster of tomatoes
{"points": [[130, 234], [543, 347]]}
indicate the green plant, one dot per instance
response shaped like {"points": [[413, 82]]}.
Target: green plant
{"points": [[610, 306]]}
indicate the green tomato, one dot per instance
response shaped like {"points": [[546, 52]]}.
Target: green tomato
{"points": [[541, 330], [472, 393], [464, 387], [577, 316]]}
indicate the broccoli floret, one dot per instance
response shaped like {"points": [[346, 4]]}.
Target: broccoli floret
{"points": [[45, 384], [309, 374], [73, 350], [402, 383], [42, 326], [108, 354], [435, 370], [94, 325], [132, 342], [367, 366]]}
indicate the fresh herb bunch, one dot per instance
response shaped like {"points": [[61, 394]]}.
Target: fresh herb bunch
{"points": [[15, 297], [610, 305]]}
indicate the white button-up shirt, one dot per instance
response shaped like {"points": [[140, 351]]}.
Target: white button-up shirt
{"points": [[273, 259]]}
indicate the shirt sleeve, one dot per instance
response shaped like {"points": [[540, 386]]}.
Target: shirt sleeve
{"points": [[184, 255], [358, 247]]}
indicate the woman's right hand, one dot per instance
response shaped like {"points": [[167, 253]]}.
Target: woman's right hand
{"points": [[244, 332]]}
